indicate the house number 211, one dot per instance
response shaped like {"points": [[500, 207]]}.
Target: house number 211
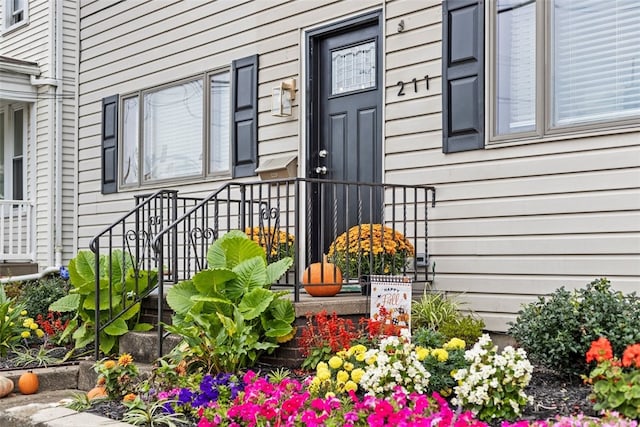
{"points": [[414, 81]]}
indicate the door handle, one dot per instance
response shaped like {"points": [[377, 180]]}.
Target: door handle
{"points": [[321, 170]]}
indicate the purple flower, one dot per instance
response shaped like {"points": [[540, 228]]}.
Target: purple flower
{"points": [[185, 396]]}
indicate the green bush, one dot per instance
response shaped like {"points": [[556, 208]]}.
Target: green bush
{"points": [[467, 328], [557, 331], [37, 296]]}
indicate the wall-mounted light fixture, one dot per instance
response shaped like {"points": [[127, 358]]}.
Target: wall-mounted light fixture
{"points": [[282, 98]]}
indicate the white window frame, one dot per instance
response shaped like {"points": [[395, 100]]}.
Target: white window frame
{"points": [[10, 12], [206, 135], [544, 130], [9, 154]]}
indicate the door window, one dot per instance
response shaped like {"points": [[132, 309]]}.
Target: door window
{"points": [[353, 68]]}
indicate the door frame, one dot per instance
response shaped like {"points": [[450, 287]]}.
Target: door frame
{"points": [[311, 39]]}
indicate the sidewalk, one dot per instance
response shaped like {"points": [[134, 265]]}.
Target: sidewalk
{"points": [[46, 408]]}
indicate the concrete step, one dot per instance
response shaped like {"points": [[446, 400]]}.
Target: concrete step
{"points": [[143, 346]]}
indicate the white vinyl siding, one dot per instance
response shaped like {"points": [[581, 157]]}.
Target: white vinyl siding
{"points": [[510, 223]]}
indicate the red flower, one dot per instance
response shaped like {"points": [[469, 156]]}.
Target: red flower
{"points": [[600, 350], [631, 356]]}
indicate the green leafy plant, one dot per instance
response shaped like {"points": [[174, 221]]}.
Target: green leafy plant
{"points": [[79, 402], [29, 357], [126, 284], [14, 324], [38, 295], [616, 383], [227, 314], [492, 387], [440, 361], [152, 414], [467, 328], [433, 310], [556, 331], [117, 376]]}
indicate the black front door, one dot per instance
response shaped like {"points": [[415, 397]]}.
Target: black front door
{"points": [[345, 126]]}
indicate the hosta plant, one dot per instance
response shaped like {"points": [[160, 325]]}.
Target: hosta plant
{"points": [[492, 387], [120, 285], [227, 314]]}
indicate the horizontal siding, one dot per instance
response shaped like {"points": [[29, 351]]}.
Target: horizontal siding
{"points": [[510, 223]]}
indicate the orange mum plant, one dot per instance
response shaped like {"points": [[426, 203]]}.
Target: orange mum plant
{"points": [[277, 244], [370, 249]]}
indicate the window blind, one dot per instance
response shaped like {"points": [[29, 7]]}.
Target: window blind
{"points": [[595, 60]]}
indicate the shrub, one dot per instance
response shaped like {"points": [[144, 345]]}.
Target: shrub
{"points": [[467, 328], [37, 296], [556, 331]]}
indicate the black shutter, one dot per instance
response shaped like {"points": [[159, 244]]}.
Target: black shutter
{"points": [[244, 132], [110, 144], [462, 75]]}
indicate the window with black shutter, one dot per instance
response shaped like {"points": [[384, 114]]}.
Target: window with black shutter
{"points": [[244, 129]]}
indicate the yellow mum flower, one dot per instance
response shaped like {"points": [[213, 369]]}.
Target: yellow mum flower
{"points": [[441, 354], [422, 353], [25, 334], [342, 376], [323, 374], [350, 385], [125, 359], [358, 349], [109, 364], [455, 344], [39, 333], [335, 362], [23, 313], [356, 375]]}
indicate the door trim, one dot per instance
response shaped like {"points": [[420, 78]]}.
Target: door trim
{"points": [[311, 40]]}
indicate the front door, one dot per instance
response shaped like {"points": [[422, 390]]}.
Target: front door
{"points": [[344, 126]]}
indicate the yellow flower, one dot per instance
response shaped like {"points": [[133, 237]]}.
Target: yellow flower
{"points": [[360, 357], [109, 364], [39, 333], [422, 353], [342, 376], [348, 366], [350, 385], [371, 360], [25, 334], [23, 313], [356, 375], [441, 354], [329, 394], [125, 359], [323, 374], [445, 392], [322, 365], [335, 362], [33, 326], [454, 344]]}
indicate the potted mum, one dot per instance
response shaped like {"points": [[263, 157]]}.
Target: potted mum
{"points": [[370, 249], [277, 244]]}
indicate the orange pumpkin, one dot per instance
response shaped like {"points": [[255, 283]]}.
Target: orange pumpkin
{"points": [[97, 392], [6, 386], [28, 383], [322, 279]]}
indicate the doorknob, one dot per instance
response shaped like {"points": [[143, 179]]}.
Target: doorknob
{"points": [[321, 170]]}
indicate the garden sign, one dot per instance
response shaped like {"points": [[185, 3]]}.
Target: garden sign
{"points": [[391, 301]]}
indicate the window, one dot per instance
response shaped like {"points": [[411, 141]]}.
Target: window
{"points": [[163, 131], [562, 65], [12, 133], [16, 13]]}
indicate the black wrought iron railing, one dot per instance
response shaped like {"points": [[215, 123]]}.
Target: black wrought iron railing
{"points": [[364, 228], [129, 240]]}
